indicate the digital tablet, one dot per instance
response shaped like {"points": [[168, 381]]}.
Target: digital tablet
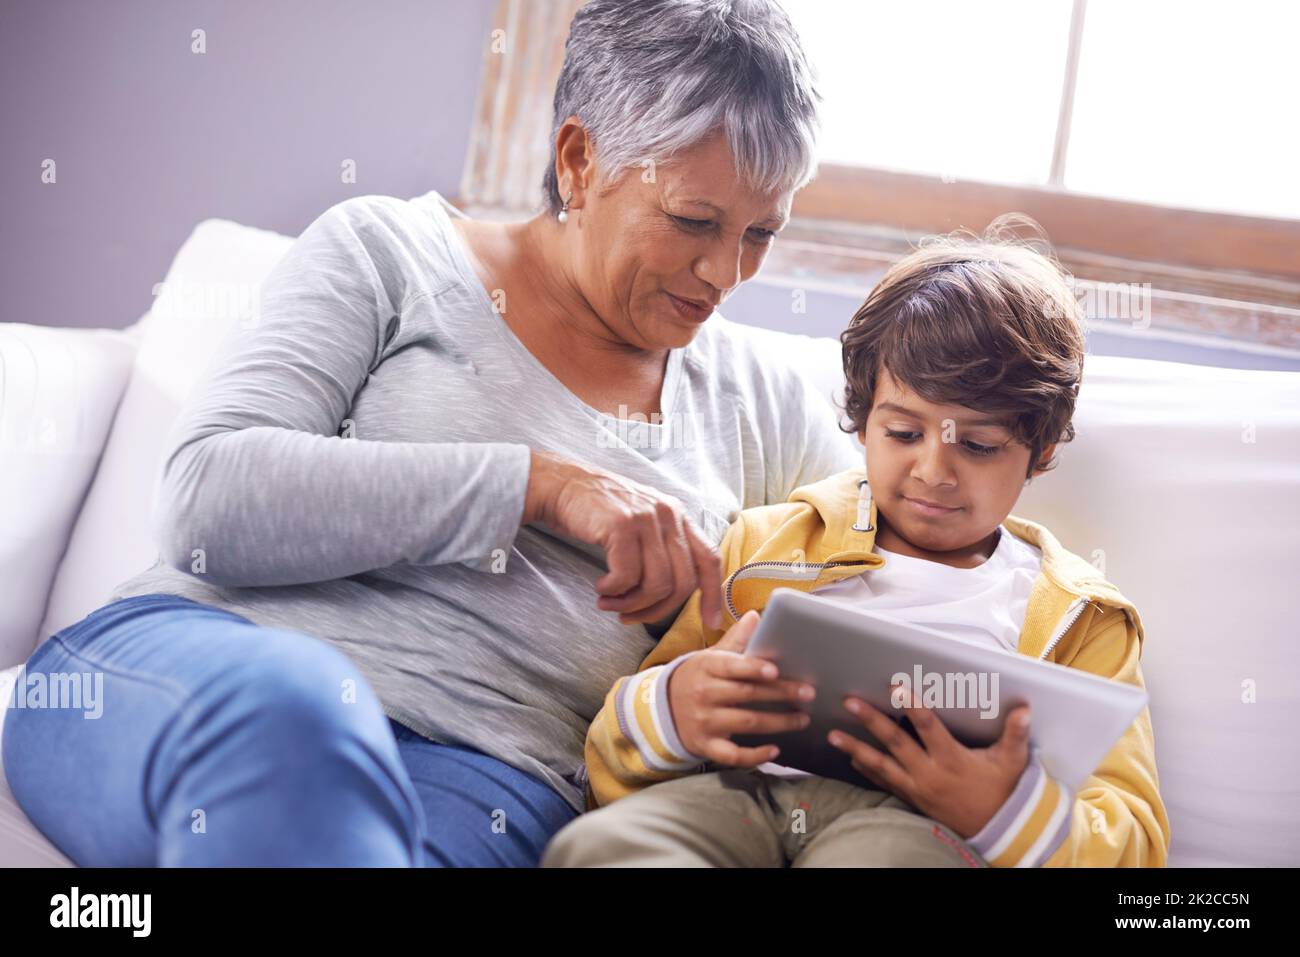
{"points": [[1075, 717]]}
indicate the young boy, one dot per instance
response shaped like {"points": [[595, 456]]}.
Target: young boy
{"points": [[962, 370]]}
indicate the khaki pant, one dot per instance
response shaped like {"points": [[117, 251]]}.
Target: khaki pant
{"points": [[743, 817]]}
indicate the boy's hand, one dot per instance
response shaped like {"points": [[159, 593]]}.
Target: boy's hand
{"points": [[710, 691], [957, 786]]}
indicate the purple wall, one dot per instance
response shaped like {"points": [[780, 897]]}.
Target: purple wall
{"points": [[150, 138]]}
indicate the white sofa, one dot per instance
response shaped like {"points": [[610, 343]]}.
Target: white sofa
{"points": [[1184, 480]]}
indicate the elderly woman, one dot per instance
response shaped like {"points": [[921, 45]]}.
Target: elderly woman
{"points": [[453, 483]]}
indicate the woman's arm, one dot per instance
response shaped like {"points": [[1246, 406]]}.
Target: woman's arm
{"points": [[259, 489]]}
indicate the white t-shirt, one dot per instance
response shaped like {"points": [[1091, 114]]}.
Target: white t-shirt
{"points": [[985, 604]]}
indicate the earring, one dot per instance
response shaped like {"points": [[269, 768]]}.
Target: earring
{"points": [[563, 215]]}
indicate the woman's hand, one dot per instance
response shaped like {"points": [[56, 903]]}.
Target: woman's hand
{"points": [[656, 555], [957, 786], [709, 691]]}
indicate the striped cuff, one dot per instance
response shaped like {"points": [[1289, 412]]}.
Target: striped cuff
{"points": [[1030, 825], [646, 719]]}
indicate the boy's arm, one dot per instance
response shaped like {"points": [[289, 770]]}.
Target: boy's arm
{"points": [[632, 741], [1117, 818]]}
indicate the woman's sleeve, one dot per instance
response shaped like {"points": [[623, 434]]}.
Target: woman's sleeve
{"points": [[258, 482]]}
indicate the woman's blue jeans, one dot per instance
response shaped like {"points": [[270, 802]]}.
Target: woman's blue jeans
{"points": [[219, 742]]}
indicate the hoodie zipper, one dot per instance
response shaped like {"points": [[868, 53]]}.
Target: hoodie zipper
{"points": [[731, 606], [1067, 622], [863, 524]]}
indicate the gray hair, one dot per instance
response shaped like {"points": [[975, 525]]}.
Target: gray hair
{"points": [[650, 77]]}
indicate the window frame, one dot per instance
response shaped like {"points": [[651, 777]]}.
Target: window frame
{"points": [[1234, 278]]}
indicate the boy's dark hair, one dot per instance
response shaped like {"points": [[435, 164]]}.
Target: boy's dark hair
{"points": [[988, 322]]}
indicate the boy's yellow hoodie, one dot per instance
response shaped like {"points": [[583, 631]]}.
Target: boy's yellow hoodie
{"points": [[826, 532]]}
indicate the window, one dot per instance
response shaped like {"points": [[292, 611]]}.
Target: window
{"points": [[1173, 103], [1155, 142], [957, 90], [1189, 104]]}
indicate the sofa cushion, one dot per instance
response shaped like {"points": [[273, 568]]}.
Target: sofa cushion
{"points": [[1183, 486], [59, 389], [209, 290]]}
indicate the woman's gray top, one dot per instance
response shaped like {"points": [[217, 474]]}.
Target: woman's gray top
{"points": [[354, 468]]}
